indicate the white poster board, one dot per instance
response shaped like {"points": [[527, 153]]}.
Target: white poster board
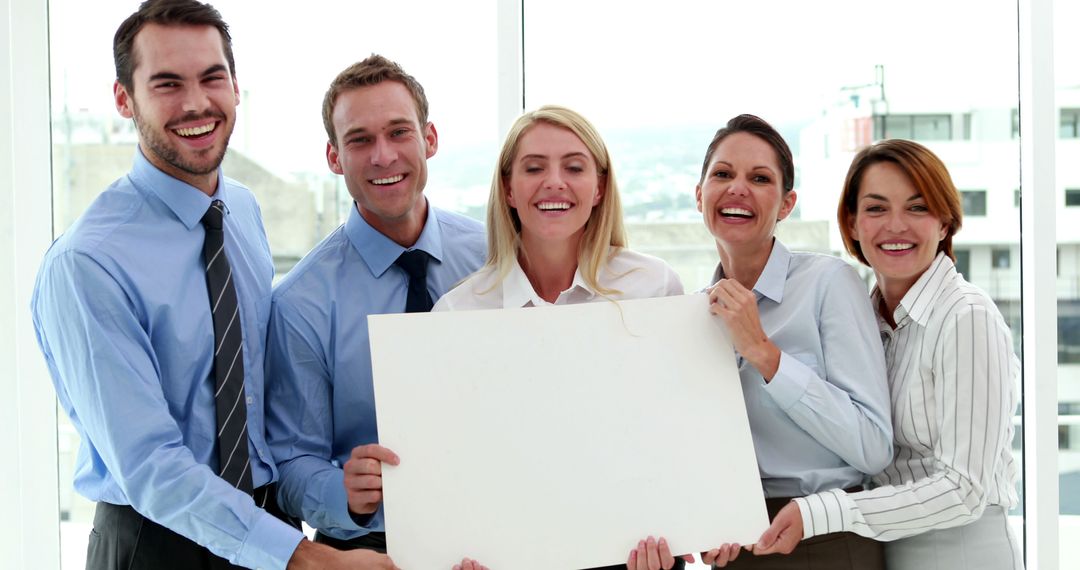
{"points": [[557, 437]]}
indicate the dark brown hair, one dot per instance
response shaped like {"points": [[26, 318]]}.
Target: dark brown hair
{"points": [[926, 172], [756, 126], [164, 13], [372, 71]]}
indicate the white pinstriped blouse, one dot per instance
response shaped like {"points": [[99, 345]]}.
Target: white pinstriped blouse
{"points": [[953, 381]]}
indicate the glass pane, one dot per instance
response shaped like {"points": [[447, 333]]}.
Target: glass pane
{"points": [[974, 202], [672, 77], [1067, 96], [932, 127], [285, 62]]}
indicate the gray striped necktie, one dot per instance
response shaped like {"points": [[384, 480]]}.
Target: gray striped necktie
{"points": [[228, 374]]}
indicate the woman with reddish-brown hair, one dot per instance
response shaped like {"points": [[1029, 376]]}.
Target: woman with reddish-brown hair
{"points": [[943, 500]]}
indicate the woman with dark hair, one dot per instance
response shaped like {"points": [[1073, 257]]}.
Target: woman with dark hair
{"points": [[810, 363], [942, 502]]}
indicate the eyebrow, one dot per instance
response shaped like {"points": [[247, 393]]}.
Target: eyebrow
{"points": [[169, 75], [729, 165], [361, 130], [913, 197], [565, 156]]}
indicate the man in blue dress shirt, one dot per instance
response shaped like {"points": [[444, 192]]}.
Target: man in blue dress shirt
{"points": [[320, 403], [124, 317]]}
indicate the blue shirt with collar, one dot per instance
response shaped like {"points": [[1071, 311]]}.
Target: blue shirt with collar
{"points": [[122, 315], [823, 421], [320, 400]]}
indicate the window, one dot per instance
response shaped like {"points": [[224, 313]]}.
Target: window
{"points": [[1000, 258], [963, 262], [914, 127], [1070, 124], [974, 202], [1072, 196]]}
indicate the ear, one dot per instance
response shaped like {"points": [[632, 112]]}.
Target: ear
{"points": [[853, 228], [943, 232], [601, 184], [509, 195], [787, 205], [332, 158], [697, 197], [431, 137], [125, 103], [236, 89]]}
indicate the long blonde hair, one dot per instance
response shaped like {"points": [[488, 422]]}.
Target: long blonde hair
{"points": [[604, 232]]}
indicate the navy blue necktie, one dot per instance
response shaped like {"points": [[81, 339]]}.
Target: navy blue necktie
{"points": [[232, 438], [414, 262]]}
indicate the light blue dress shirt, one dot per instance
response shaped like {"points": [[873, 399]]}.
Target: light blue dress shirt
{"points": [[319, 392], [122, 315], [823, 420]]}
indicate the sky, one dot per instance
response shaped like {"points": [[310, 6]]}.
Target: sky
{"points": [[678, 63]]}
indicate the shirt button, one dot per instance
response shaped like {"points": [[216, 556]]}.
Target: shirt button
{"points": [[250, 400]]}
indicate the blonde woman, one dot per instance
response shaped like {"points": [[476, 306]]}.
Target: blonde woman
{"points": [[555, 237]]}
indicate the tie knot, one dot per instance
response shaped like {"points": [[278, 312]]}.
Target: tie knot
{"points": [[414, 262], [214, 217]]}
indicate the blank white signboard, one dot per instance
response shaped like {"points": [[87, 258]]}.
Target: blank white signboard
{"points": [[557, 437]]}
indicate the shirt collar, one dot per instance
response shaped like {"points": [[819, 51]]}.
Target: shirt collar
{"points": [[188, 203], [380, 252], [919, 301], [773, 276], [518, 291]]}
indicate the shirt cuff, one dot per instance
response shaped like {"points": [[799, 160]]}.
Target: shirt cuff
{"points": [[270, 544], [790, 381], [824, 513], [336, 502]]}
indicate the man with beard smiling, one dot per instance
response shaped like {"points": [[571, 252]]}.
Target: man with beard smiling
{"points": [[395, 253], [151, 311]]}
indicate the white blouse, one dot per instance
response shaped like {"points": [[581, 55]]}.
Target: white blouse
{"points": [[953, 377], [633, 275]]}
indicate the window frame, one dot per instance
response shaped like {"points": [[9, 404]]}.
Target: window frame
{"points": [[28, 415]]}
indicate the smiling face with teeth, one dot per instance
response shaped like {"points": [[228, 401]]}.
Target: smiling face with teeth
{"points": [[895, 230], [183, 99], [382, 151], [553, 186], [742, 195]]}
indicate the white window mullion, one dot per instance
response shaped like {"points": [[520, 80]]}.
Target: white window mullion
{"points": [[1039, 260], [30, 536], [509, 25]]}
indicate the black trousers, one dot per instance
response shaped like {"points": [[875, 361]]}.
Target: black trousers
{"points": [[837, 551], [371, 541], [122, 539]]}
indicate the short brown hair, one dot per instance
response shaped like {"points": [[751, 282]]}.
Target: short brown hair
{"points": [[926, 172], [754, 125], [371, 71], [164, 13]]}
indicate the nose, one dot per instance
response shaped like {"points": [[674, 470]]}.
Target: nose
{"points": [[895, 222], [383, 153], [738, 187], [554, 179], [196, 101]]}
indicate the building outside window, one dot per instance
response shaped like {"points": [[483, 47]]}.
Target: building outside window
{"points": [[1070, 124], [921, 127], [1072, 196], [1001, 258], [974, 202]]}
